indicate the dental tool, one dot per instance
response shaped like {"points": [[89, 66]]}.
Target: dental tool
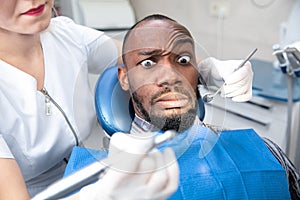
{"points": [[90, 174], [209, 97]]}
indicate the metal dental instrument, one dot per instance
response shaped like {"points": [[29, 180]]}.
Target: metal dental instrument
{"points": [[209, 97], [89, 174]]}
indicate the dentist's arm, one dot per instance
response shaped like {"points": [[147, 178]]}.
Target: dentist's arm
{"points": [[12, 184]]}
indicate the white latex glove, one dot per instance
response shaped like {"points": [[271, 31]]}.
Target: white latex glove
{"points": [[134, 173], [238, 84]]}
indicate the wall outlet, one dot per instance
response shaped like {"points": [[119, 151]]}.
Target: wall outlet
{"points": [[219, 8]]}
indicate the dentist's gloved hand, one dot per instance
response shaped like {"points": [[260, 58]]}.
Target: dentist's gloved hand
{"points": [[134, 173], [238, 84]]}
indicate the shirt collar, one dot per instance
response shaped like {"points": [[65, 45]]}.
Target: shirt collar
{"points": [[143, 124]]}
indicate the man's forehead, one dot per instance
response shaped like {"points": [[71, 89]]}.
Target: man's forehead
{"points": [[157, 34]]}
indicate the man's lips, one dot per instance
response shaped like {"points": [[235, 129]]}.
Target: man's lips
{"points": [[172, 100], [35, 11]]}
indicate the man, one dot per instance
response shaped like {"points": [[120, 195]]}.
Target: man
{"points": [[161, 75]]}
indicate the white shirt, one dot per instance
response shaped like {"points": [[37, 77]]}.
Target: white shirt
{"points": [[38, 142]]}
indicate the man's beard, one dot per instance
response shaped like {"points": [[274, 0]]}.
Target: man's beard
{"points": [[177, 122]]}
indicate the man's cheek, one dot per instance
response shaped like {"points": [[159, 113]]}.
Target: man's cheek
{"points": [[140, 82]]}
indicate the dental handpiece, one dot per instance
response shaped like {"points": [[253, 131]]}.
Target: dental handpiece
{"points": [[90, 174]]}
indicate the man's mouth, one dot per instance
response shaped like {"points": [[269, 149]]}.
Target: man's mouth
{"points": [[172, 100]]}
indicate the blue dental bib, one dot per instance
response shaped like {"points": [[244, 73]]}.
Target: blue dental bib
{"points": [[230, 165]]}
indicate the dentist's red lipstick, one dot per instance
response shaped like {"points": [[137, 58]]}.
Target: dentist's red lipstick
{"points": [[35, 11]]}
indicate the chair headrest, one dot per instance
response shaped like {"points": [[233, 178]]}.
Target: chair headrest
{"points": [[113, 105]]}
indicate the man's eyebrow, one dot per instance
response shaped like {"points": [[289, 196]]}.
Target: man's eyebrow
{"points": [[150, 52], [183, 41], [154, 52]]}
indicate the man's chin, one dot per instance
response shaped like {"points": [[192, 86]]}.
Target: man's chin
{"points": [[172, 113], [174, 121]]}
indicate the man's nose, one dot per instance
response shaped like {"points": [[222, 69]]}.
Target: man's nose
{"points": [[168, 74]]}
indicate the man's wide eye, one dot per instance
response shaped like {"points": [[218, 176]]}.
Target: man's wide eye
{"points": [[147, 63], [184, 59]]}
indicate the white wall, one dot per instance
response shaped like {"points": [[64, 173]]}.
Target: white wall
{"points": [[246, 27]]}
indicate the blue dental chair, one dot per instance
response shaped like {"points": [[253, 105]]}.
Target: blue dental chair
{"points": [[113, 105]]}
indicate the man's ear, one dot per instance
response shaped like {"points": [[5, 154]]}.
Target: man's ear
{"points": [[123, 78]]}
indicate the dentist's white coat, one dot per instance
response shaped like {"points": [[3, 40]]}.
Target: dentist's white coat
{"points": [[38, 142]]}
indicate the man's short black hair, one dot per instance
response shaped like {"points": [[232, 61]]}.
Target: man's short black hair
{"points": [[147, 18]]}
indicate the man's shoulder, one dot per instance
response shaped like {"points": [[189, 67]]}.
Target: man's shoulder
{"points": [[247, 143], [247, 135], [249, 131]]}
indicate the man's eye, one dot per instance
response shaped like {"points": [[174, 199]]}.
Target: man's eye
{"points": [[184, 59], [147, 63]]}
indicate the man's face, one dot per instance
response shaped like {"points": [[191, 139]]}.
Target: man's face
{"points": [[161, 74]]}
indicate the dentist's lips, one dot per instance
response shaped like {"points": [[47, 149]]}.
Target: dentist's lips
{"points": [[172, 100], [35, 11]]}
